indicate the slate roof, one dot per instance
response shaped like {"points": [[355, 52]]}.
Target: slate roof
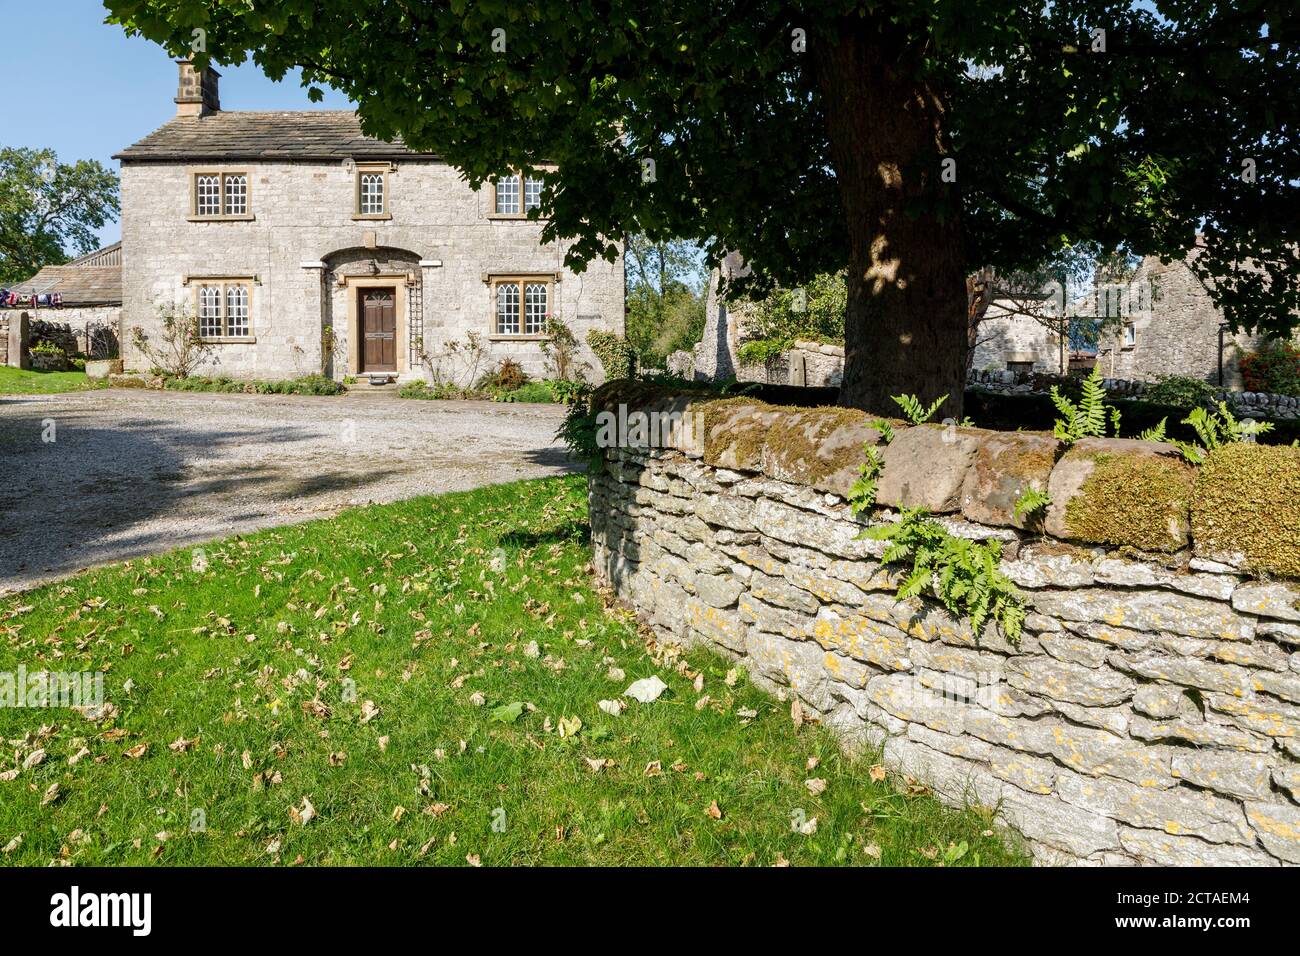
{"points": [[251, 135], [81, 284]]}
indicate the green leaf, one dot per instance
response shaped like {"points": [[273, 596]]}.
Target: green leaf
{"points": [[507, 713]]}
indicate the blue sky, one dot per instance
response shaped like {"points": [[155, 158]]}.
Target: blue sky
{"points": [[72, 83]]}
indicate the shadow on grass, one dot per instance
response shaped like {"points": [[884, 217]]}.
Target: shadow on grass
{"points": [[577, 532]]}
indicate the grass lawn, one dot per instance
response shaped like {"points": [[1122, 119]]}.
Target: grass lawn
{"points": [[418, 683], [14, 381]]}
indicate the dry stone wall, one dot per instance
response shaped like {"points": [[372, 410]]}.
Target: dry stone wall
{"points": [[1150, 712], [1241, 404]]}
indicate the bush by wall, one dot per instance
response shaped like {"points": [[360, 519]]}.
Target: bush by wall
{"points": [[1274, 367], [304, 385]]}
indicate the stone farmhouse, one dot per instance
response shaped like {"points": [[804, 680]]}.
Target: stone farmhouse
{"points": [[302, 245]]}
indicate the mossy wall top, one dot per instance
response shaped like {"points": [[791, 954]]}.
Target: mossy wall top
{"points": [[1240, 509]]}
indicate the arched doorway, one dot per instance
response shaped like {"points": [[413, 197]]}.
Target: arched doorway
{"points": [[373, 316]]}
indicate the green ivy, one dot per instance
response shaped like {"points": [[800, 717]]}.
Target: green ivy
{"points": [[616, 354]]}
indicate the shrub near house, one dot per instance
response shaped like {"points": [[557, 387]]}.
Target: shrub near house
{"points": [[1274, 367]]}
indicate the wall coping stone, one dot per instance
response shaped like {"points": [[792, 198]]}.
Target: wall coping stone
{"points": [[1241, 511]]}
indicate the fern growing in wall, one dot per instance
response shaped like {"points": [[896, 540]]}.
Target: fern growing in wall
{"points": [[914, 411], [862, 493], [1031, 502], [963, 574], [1088, 417], [1216, 429]]}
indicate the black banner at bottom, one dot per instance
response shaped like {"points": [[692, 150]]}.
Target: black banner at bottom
{"points": [[211, 906]]}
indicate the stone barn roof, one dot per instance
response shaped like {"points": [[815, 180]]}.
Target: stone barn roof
{"points": [[93, 279], [250, 135]]}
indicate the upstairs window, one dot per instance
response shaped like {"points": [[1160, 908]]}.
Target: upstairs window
{"points": [[372, 192], [522, 305], [517, 194], [218, 195], [223, 308]]}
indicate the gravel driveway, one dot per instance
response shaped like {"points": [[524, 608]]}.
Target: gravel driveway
{"points": [[131, 472]]}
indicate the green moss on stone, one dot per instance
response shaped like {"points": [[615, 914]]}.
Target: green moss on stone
{"points": [[1247, 501], [1136, 500], [798, 442], [721, 431]]}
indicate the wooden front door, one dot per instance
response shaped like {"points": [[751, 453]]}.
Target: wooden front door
{"points": [[378, 311]]}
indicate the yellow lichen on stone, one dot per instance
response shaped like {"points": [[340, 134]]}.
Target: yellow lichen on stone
{"points": [[1136, 500], [1247, 501]]}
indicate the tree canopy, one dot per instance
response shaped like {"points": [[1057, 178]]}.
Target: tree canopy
{"points": [[909, 140], [48, 209]]}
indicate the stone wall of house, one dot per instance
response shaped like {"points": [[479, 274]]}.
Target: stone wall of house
{"points": [[1177, 335], [1148, 714], [1241, 404], [302, 225], [1006, 341]]}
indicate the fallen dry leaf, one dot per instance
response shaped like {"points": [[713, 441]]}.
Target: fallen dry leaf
{"points": [[34, 759], [714, 810], [136, 752], [877, 773], [304, 814], [816, 786]]}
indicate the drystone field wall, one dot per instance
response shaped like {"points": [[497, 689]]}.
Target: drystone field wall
{"points": [[1150, 712], [1241, 404]]}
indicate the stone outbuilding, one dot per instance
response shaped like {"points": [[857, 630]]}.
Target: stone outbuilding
{"points": [[86, 320]]}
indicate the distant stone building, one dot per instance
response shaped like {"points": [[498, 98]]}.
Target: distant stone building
{"points": [[1166, 324], [716, 357], [303, 245], [90, 301]]}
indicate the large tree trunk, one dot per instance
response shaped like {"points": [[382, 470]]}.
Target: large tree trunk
{"points": [[906, 327]]}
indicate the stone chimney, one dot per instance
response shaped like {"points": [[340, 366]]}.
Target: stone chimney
{"points": [[197, 93]]}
